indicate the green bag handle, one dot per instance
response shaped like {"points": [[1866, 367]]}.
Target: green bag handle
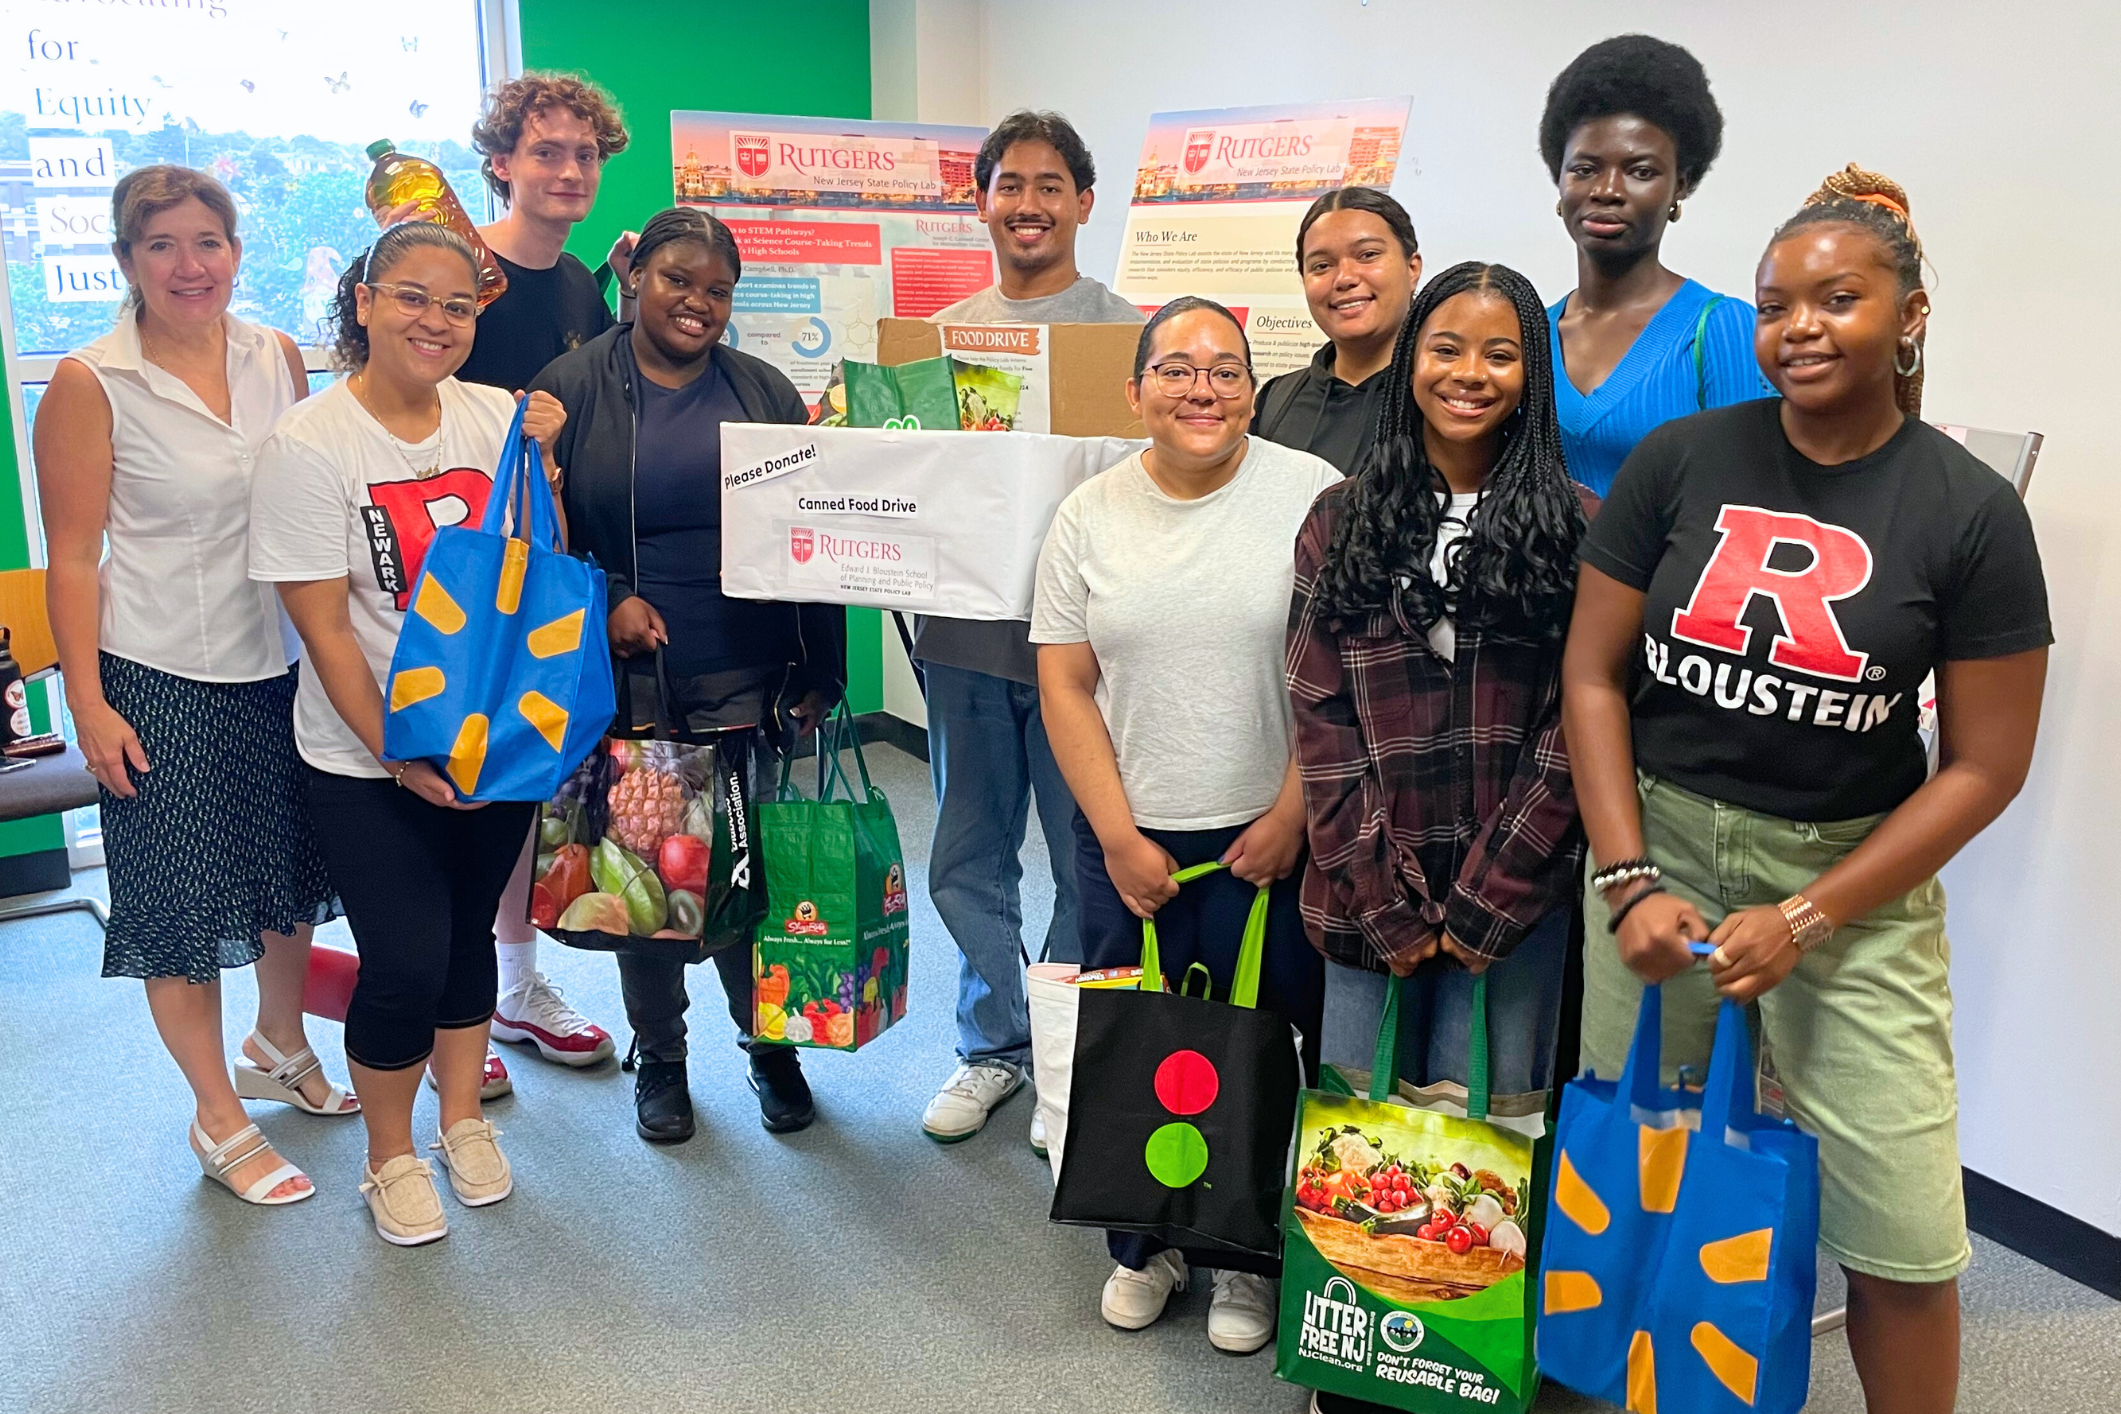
{"points": [[1701, 363], [836, 735], [1244, 987], [1384, 1065]]}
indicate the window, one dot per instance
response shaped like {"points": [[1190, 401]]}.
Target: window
{"points": [[278, 101]]}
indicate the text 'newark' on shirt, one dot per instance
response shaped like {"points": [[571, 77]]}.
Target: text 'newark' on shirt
{"points": [[1792, 610], [336, 495], [1002, 648], [541, 315]]}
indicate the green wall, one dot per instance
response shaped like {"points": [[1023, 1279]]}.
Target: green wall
{"points": [[656, 55]]}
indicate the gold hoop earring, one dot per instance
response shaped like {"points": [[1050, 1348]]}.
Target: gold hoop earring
{"points": [[1913, 368], [1673, 214], [1557, 208]]}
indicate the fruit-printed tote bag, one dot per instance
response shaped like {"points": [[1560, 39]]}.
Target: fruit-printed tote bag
{"points": [[829, 964], [501, 676], [648, 849], [1179, 1106], [1680, 1264], [1404, 1273]]}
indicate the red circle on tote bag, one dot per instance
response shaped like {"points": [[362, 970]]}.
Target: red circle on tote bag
{"points": [[1186, 1082]]}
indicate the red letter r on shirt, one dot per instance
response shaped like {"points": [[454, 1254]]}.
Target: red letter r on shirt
{"points": [[1811, 640]]}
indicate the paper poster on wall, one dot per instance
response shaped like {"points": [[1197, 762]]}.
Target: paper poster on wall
{"points": [[1220, 193], [841, 223]]}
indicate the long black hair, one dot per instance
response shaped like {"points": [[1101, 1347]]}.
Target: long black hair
{"points": [[349, 338], [1516, 563]]}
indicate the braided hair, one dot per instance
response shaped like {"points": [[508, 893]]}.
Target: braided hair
{"points": [[1878, 206], [1516, 563]]}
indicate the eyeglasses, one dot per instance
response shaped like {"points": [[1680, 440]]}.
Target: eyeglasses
{"points": [[414, 301], [1225, 380]]}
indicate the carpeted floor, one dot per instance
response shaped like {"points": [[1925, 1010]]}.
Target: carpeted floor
{"points": [[855, 1267]]}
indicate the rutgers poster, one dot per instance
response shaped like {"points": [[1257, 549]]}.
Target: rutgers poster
{"points": [[841, 223], [1218, 197]]}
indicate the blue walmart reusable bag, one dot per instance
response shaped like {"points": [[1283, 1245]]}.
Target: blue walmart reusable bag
{"points": [[1679, 1264], [502, 675]]}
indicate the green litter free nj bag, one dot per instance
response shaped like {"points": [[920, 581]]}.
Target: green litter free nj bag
{"points": [[830, 959], [1407, 1235]]}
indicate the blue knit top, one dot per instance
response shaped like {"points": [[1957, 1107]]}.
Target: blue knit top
{"points": [[1656, 380]]}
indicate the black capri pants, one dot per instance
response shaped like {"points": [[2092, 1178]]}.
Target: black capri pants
{"points": [[419, 884]]}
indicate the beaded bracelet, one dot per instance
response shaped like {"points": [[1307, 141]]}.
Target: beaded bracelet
{"points": [[1621, 913], [1625, 871]]}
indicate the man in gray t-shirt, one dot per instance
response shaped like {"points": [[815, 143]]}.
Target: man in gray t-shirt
{"points": [[986, 743]]}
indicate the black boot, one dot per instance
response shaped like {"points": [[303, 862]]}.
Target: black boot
{"points": [[662, 1103], [784, 1096]]}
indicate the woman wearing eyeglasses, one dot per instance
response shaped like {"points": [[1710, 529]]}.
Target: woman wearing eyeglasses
{"points": [[1161, 613], [351, 487]]}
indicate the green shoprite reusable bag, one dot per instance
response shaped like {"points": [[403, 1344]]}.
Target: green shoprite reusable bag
{"points": [[829, 964], [1406, 1238], [918, 396]]}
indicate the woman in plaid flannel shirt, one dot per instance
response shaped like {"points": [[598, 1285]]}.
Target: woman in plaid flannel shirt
{"points": [[1432, 593]]}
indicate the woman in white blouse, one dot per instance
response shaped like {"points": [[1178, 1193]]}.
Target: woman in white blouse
{"points": [[176, 668]]}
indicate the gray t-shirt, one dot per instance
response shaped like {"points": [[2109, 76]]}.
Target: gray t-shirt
{"points": [[1000, 647], [1186, 605]]}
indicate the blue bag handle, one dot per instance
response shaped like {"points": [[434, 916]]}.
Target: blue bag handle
{"points": [[1729, 1094], [1643, 1077], [1244, 987], [521, 474]]}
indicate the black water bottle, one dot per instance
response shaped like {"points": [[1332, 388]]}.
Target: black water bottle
{"points": [[14, 702]]}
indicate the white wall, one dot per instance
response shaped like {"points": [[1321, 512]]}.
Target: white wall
{"points": [[2000, 122]]}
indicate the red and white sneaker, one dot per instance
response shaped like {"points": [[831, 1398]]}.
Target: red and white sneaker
{"points": [[534, 1011], [492, 1086]]}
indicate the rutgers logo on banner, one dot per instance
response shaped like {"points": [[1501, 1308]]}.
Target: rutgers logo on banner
{"points": [[402, 517], [753, 154], [801, 543], [1199, 144], [1837, 565]]}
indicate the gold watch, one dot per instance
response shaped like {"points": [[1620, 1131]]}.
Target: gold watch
{"points": [[1808, 926]]}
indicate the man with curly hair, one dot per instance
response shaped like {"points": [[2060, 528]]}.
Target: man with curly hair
{"points": [[544, 138]]}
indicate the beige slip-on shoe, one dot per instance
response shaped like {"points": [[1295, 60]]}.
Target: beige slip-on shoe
{"points": [[403, 1200], [478, 1170]]}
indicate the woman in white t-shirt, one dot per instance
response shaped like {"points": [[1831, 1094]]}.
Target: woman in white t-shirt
{"points": [[351, 488], [1161, 613], [176, 667]]}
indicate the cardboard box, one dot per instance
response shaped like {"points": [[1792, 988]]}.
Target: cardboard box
{"points": [[1082, 368]]}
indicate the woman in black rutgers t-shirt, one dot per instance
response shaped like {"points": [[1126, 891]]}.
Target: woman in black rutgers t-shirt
{"points": [[1761, 598]]}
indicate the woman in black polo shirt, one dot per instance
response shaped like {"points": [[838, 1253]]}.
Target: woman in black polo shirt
{"points": [[1761, 598], [1360, 264]]}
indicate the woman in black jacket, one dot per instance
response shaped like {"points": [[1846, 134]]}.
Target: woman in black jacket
{"points": [[645, 406]]}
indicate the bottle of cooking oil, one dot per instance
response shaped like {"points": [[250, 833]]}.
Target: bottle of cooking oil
{"points": [[399, 177]]}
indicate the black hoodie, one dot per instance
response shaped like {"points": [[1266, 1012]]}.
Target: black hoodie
{"points": [[1313, 411], [595, 383]]}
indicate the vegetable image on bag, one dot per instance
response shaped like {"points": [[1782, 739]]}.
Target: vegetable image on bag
{"points": [[829, 964], [1408, 1231]]}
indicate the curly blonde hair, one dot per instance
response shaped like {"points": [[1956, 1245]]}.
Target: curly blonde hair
{"points": [[510, 106]]}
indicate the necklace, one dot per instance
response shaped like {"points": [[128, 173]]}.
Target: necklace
{"points": [[355, 385]]}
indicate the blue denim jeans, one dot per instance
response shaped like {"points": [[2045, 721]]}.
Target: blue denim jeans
{"points": [[1435, 1035], [988, 754]]}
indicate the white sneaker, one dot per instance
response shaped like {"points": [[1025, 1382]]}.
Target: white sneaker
{"points": [[1240, 1313], [534, 1011], [1134, 1299], [960, 1109], [1038, 1132]]}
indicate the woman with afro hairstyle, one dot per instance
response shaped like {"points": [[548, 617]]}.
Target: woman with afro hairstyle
{"points": [[1629, 130], [1761, 598]]}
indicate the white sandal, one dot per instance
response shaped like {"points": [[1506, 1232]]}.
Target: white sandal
{"points": [[218, 1161], [284, 1081]]}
